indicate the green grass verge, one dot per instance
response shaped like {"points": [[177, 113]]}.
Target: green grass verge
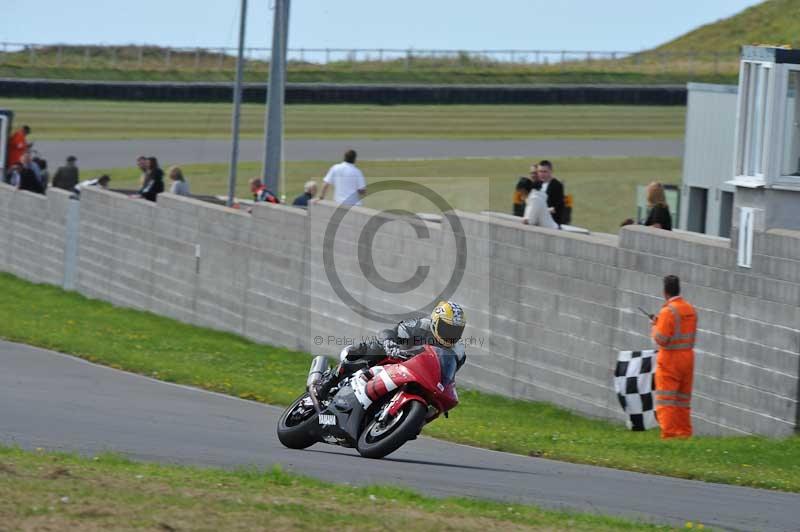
{"points": [[141, 342], [108, 120], [604, 189], [44, 491]]}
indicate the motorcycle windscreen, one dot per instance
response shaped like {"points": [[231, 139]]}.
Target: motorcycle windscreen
{"points": [[448, 363]]}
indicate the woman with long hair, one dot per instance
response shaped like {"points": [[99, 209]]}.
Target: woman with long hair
{"points": [[179, 184], [155, 180], [658, 215]]}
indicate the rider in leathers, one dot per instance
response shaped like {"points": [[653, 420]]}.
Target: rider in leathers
{"points": [[443, 329]]}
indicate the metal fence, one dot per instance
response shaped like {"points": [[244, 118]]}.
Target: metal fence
{"points": [[137, 57]]}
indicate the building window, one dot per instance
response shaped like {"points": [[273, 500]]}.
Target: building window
{"points": [[752, 139], [725, 214], [790, 165], [698, 205]]}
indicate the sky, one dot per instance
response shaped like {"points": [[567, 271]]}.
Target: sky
{"points": [[623, 25]]}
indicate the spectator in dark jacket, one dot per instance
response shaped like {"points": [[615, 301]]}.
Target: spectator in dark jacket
{"points": [[44, 174], [155, 180], [309, 191], [66, 177], [554, 190], [659, 216], [28, 180], [30, 175]]}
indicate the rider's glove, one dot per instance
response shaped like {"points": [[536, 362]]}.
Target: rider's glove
{"points": [[392, 349]]}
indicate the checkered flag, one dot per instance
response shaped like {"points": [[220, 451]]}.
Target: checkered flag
{"points": [[633, 382]]}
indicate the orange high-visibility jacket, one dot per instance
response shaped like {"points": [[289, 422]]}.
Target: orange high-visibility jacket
{"points": [[675, 328], [17, 146]]}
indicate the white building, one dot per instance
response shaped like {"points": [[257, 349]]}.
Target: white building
{"points": [[743, 147], [706, 195]]}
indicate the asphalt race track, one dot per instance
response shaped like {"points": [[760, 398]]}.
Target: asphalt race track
{"points": [[59, 402], [120, 153]]}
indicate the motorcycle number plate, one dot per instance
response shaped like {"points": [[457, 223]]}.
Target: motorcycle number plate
{"points": [[327, 419]]}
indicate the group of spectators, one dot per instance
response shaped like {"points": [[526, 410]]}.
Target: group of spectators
{"points": [[539, 198], [151, 179], [347, 180], [26, 171]]}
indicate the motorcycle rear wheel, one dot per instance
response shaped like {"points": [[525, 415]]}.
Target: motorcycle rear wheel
{"points": [[381, 439], [298, 431]]}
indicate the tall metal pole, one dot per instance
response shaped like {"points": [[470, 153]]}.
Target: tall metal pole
{"points": [[237, 106], [275, 97]]}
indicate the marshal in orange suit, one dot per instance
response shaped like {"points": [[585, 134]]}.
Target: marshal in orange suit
{"points": [[675, 331], [17, 146]]}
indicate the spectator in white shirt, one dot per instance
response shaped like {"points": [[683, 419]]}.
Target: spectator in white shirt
{"points": [[536, 210], [101, 182], [179, 184], [349, 185]]}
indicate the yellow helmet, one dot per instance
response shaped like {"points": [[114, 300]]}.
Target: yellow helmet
{"points": [[447, 323]]}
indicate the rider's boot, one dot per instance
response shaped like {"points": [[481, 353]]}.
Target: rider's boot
{"points": [[325, 383], [359, 384]]}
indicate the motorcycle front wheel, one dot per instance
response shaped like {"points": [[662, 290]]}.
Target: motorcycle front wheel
{"points": [[380, 439], [298, 426]]}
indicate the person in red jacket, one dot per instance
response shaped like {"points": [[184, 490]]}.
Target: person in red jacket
{"points": [[675, 331], [261, 192], [18, 145]]}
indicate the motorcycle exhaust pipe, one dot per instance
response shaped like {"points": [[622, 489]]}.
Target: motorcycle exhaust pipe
{"points": [[318, 366]]}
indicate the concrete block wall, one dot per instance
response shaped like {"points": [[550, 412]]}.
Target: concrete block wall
{"points": [[199, 263], [547, 310], [33, 236]]}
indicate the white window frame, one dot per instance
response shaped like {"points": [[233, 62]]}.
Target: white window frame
{"points": [[745, 149], [4, 132], [747, 222], [780, 125]]}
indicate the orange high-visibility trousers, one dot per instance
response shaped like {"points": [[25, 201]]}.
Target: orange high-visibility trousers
{"points": [[673, 393], [675, 330]]}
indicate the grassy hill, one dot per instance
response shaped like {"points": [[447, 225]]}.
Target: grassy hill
{"points": [[774, 22]]}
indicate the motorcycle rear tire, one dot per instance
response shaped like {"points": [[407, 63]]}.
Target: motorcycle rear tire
{"points": [[414, 414], [301, 435]]}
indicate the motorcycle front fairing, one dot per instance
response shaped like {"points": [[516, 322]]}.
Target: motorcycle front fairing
{"points": [[348, 416], [433, 371]]}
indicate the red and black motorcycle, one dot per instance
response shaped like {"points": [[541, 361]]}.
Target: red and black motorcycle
{"points": [[425, 389]]}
